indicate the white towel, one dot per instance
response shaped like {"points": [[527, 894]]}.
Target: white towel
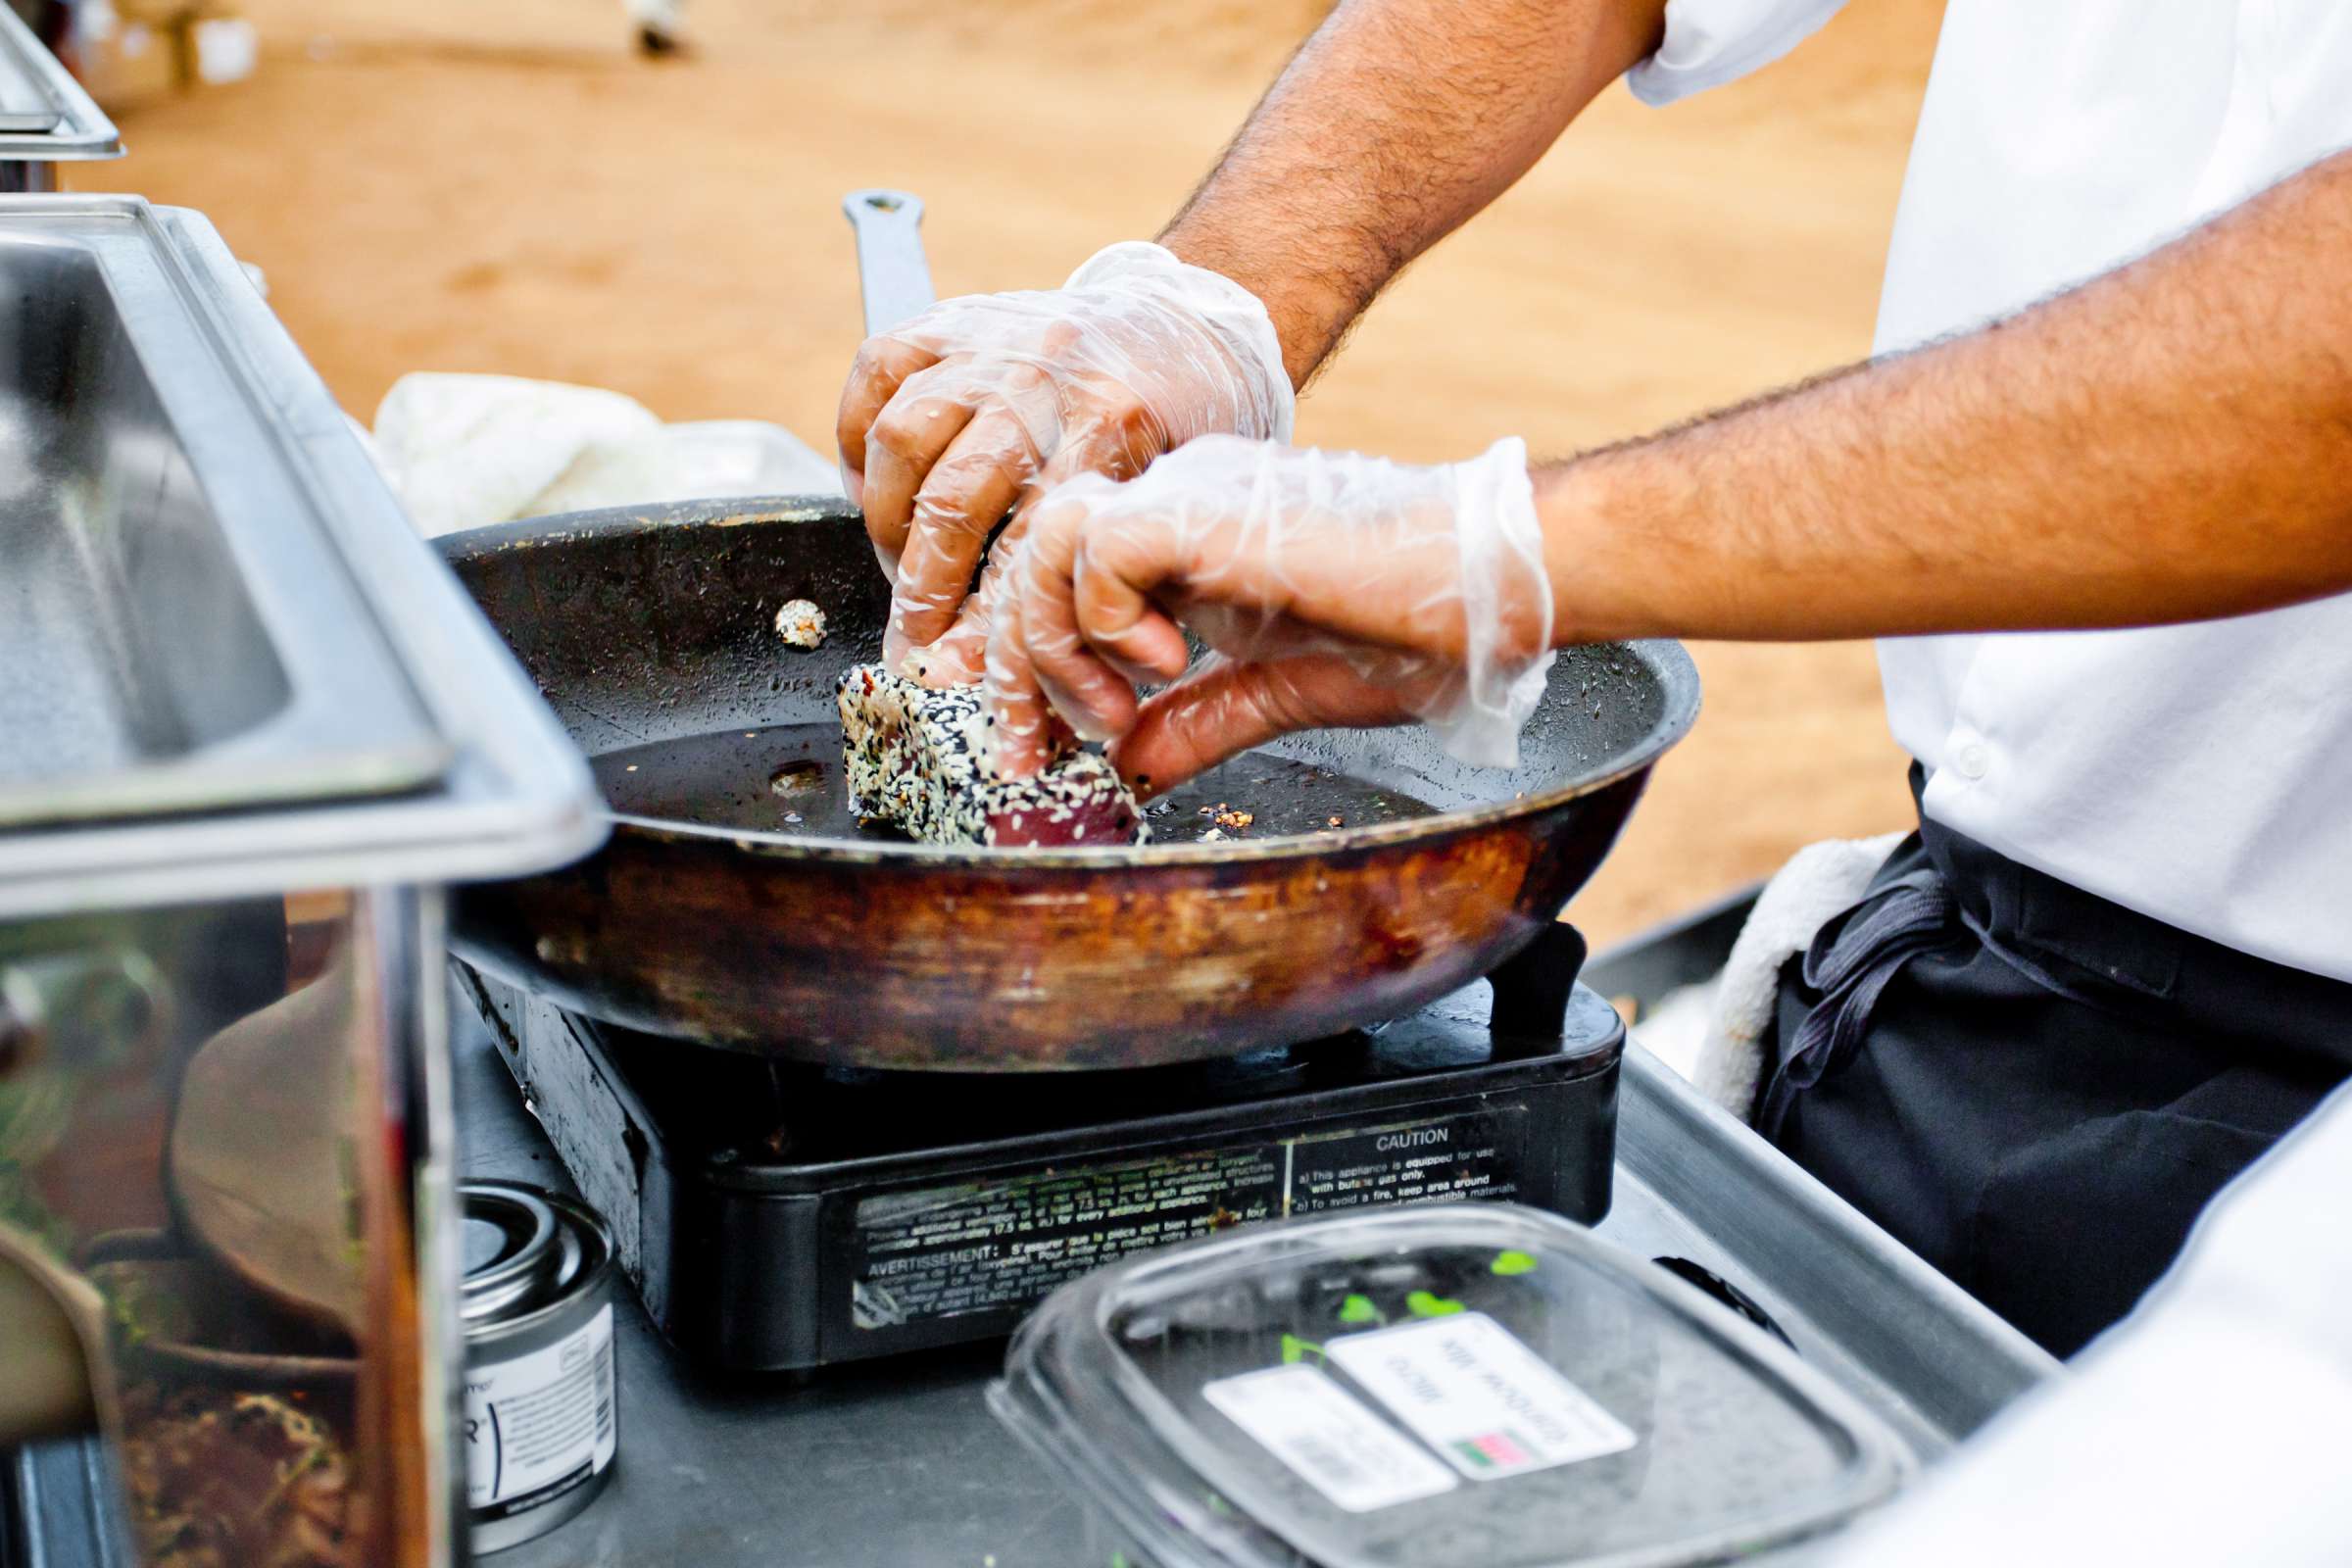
{"points": [[467, 451], [1820, 882]]}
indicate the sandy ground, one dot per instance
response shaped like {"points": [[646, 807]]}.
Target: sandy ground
{"points": [[444, 184]]}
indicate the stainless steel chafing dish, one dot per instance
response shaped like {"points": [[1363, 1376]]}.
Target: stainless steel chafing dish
{"points": [[248, 726], [45, 118]]}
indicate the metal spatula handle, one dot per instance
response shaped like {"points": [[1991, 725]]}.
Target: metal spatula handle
{"points": [[892, 270]]}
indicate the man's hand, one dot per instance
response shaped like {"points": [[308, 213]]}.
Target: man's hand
{"points": [[1333, 589], [2165, 443], [950, 421], [1395, 123]]}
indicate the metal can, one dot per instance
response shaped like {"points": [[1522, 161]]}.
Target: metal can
{"points": [[542, 1423]]}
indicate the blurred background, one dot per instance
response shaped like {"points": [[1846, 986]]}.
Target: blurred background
{"points": [[524, 187]]}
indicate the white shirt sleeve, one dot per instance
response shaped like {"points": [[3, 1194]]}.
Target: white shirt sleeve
{"points": [[1709, 42], [2211, 1426]]}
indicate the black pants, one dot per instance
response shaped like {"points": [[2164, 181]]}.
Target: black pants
{"points": [[2035, 1089]]}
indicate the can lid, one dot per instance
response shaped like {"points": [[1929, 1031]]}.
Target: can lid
{"points": [[1427, 1387], [523, 1248]]}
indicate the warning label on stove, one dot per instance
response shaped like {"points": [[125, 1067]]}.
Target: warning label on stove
{"points": [[1000, 1246]]}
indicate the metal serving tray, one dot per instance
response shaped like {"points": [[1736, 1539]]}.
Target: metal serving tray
{"points": [[44, 115], [227, 663], [165, 643]]}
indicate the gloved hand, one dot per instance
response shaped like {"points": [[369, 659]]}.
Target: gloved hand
{"points": [[1335, 589], [953, 419]]}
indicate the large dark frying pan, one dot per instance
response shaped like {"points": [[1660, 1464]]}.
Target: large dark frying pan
{"points": [[738, 903], [709, 915]]}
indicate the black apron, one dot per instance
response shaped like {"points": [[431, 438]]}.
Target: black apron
{"points": [[2030, 1087]]}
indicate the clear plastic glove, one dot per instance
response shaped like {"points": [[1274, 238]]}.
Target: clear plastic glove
{"points": [[1333, 589], [957, 417]]}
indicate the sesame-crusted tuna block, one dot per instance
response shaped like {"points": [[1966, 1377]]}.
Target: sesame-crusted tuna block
{"points": [[920, 761]]}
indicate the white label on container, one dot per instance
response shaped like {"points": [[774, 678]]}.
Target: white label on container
{"points": [[1468, 1389], [540, 1424], [1307, 1421]]}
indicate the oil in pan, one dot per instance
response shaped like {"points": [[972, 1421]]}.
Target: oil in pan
{"points": [[542, 1425]]}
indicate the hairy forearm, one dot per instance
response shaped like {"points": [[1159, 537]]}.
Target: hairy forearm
{"points": [[2170, 442], [1393, 123]]}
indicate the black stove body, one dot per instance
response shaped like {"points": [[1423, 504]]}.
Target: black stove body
{"points": [[781, 1217]]}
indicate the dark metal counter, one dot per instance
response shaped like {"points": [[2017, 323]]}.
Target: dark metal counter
{"points": [[893, 1462], [899, 1464]]}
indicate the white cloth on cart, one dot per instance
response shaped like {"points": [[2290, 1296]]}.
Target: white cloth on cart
{"points": [[467, 451], [1820, 881]]}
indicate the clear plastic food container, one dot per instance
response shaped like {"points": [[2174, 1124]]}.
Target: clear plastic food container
{"points": [[1431, 1388]]}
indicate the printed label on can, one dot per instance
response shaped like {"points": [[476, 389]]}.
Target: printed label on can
{"points": [[1302, 1417], [540, 1424], [1465, 1385]]}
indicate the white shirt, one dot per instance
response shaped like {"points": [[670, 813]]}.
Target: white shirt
{"points": [[2202, 774]]}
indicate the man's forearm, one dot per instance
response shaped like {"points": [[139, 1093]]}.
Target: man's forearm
{"points": [[2170, 442], [1395, 123]]}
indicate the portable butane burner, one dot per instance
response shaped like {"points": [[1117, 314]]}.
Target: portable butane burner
{"points": [[782, 1216]]}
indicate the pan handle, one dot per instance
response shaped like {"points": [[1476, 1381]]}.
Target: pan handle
{"points": [[892, 270]]}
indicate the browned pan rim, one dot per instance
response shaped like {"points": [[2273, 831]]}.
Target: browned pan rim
{"points": [[1666, 659]]}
